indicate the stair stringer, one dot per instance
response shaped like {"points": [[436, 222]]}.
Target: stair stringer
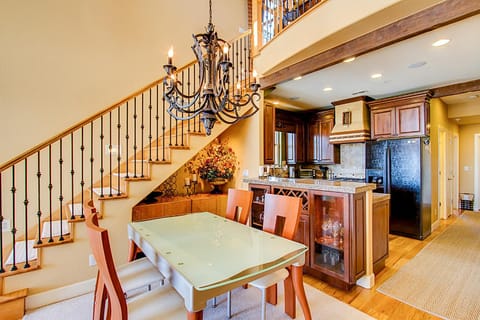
{"points": [[69, 263]]}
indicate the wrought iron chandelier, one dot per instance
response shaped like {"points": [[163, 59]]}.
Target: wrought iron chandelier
{"points": [[213, 98]]}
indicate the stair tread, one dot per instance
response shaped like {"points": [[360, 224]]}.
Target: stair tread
{"points": [[105, 191], [20, 252], [55, 226]]}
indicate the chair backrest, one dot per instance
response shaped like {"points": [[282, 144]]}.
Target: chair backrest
{"points": [[238, 205], [107, 275], [281, 215]]}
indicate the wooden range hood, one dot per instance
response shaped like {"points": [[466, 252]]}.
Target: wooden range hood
{"points": [[352, 121]]}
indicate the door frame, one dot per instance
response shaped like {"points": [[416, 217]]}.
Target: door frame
{"points": [[441, 173], [476, 172]]}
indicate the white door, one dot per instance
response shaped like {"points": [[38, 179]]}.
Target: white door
{"points": [[442, 174]]}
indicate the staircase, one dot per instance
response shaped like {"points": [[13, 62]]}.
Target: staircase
{"points": [[107, 163]]}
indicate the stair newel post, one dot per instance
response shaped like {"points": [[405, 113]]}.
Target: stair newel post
{"points": [[150, 125], [164, 124], [82, 181], [110, 149], [119, 155], [14, 230], [91, 160], [60, 198], [72, 176], [101, 157], [156, 123], [126, 140], [135, 137], [142, 128], [39, 208], [2, 270], [50, 189]]}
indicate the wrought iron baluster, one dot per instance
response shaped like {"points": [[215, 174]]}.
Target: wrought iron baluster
{"points": [[119, 155], [39, 193], [50, 189], [25, 203], [163, 120], [60, 198], [72, 173], [157, 129], [183, 102], [110, 149], [150, 125], [135, 137], [126, 140], [189, 99], [142, 128], [82, 182], [101, 157], [91, 160], [14, 229]]}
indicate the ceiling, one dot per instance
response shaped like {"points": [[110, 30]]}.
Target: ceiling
{"points": [[408, 66]]}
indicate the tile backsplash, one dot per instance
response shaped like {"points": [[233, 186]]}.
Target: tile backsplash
{"points": [[352, 157]]}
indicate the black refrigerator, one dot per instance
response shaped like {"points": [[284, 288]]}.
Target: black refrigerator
{"points": [[401, 167]]}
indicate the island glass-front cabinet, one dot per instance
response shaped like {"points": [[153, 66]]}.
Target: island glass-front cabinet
{"points": [[337, 237]]}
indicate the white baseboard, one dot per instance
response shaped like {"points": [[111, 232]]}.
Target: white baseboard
{"points": [[58, 294]]}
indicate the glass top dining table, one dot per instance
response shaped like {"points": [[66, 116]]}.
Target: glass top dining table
{"points": [[204, 255]]}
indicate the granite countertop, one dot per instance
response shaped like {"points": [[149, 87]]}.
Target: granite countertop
{"points": [[314, 184]]}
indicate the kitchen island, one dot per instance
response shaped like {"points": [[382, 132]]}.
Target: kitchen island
{"points": [[336, 224]]}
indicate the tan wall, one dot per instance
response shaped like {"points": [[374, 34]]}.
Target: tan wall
{"points": [[467, 157], [438, 121], [62, 61]]}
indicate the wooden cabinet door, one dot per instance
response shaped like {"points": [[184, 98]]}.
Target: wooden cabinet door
{"points": [[313, 141], [300, 154], [410, 120], [380, 227], [329, 153], [383, 122], [268, 133]]}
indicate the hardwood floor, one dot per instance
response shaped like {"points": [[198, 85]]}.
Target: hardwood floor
{"points": [[375, 303]]}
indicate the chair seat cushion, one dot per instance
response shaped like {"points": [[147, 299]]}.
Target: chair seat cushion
{"points": [[137, 274], [270, 279]]}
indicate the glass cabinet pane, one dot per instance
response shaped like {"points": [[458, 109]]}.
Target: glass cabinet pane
{"points": [[329, 233]]}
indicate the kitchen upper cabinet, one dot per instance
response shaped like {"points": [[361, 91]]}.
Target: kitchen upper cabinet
{"points": [[402, 116], [319, 148], [268, 133]]}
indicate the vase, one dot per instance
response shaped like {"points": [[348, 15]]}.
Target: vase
{"points": [[216, 183]]}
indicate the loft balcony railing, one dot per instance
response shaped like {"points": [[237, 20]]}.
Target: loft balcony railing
{"points": [[277, 15], [47, 187]]}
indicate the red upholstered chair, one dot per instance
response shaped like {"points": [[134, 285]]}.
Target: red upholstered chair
{"points": [[110, 302]]}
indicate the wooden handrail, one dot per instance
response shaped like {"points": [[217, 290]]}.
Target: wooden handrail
{"points": [[97, 115]]}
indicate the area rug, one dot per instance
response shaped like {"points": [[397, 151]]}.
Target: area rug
{"points": [[444, 278], [246, 304]]}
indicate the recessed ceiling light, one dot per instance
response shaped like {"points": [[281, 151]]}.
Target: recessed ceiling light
{"points": [[440, 42], [376, 75], [276, 102], [474, 96], [297, 78], [417, 64], [349, 59], [327, 89]]}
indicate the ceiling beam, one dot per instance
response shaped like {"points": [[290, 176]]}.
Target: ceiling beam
{"points": [[456, 88], [439, 15]]}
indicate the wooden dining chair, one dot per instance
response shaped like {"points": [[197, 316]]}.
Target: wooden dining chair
{"points": [[238, 205], [110, 302], [238, 209], [281, 216]]}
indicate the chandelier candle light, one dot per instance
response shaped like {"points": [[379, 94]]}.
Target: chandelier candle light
{"points": [[212, 99]]}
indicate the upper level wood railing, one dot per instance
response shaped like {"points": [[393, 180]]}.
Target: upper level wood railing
{"points": [[277, 15], [44, 184]]}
